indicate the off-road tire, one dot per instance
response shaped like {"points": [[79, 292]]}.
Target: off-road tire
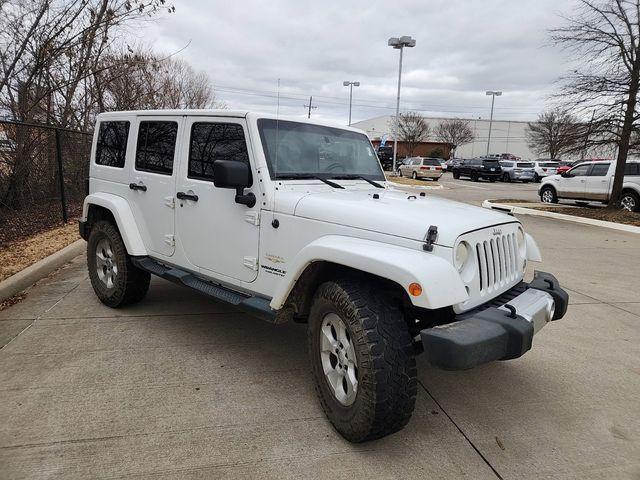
{"points": [[456, 175], [385, 355], [548, 194], [131, 284]]}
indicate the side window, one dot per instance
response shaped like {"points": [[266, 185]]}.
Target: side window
{"points": [[156, 146], [599, 170], [580, 171], [215, 141], [632, 169], [112, 144]]}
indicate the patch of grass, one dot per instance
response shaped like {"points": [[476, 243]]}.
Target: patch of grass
{"points": [[18, 255]]}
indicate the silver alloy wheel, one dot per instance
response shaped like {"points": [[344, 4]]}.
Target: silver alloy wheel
{"points": [[338, 358], [628, 202], [547, 196], [106, 266], [414, 175]]}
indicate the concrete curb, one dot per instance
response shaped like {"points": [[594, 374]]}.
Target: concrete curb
{"points": [[30, 275], [505, 207]]}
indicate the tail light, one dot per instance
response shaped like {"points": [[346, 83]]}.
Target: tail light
{"points": [[544, 169], [438, 168], [424, 168]]}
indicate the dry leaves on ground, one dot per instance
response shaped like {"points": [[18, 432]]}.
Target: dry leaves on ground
{"points": [[18, 255]]}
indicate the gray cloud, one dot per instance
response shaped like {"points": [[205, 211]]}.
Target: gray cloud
{"points": [[463, 48]]}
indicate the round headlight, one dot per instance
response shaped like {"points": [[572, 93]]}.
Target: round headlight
{"points": [[462, 255]]}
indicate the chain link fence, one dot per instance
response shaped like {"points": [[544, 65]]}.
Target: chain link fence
{"points": [[43, 177]]}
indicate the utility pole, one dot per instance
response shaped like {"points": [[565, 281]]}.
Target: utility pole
{"points": [[310, 106], [350, 84]]}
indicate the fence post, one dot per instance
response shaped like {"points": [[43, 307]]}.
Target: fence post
{"points": [[63, 199]]}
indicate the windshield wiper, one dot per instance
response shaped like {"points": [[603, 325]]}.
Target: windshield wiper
{"points": [[304, 176], [357, 177]]}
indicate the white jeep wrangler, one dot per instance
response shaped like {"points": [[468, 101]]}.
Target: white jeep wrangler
{"points": [[294, 220]]}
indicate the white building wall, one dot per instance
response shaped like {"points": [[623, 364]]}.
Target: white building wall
{"points": [[506, 136]]}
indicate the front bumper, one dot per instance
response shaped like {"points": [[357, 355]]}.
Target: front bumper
{"points": [[501, 329]]}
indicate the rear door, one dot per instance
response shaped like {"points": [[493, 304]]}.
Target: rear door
{"points": [[217, 235], [153, 178], [597, 181]]}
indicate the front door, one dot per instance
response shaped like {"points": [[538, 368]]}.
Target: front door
{"points": [[598, 182], [217, 234], [574, 184], [153, 178]]}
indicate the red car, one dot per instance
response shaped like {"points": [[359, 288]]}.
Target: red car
{"points": [[566, 166]]}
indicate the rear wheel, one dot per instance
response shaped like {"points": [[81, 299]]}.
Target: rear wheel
{"points": [[506, 177], [115, 280], [474, 177], [536, 178], [492, 179], [548, 195], [362, 357], [630, 201], [456, 175]]}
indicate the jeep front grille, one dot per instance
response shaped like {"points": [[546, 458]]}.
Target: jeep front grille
{"points": [[497, 262]]}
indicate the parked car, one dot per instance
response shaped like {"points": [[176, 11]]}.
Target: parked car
{"points": [[385, 155], [593, 181], [420, 167], [514, 170], [543, 168], [449, 164], [288, 219], [477, 168]]}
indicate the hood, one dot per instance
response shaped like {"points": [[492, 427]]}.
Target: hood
{"points": [[397, 212]]}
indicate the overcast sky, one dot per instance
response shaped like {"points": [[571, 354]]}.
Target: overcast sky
{"points": [[464, 47]]}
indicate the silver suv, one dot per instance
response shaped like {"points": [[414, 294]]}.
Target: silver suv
{"points": [[515, 170], [420, 167]]}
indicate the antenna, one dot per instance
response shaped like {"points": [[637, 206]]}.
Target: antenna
{"points": [[310, 106], [275, 167]]}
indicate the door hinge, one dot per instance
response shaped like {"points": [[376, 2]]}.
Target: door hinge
{"points": [[170, 240], [170, 202], [252, 217], [251, 262]]}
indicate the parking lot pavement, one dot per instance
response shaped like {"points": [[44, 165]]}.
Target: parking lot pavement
{"points": [[465, 190], [179, 386]]}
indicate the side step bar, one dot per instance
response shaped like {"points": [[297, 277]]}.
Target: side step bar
{"points": [[256, 306]]}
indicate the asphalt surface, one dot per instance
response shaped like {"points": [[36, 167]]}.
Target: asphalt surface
{"points": [[179, 386]]}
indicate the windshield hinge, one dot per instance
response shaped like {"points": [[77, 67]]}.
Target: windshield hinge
{"points": [[252, 217], [170, 202], [170, 240], [430, 239]]}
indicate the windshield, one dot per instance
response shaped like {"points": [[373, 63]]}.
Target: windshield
{"points": [[295, 149]]}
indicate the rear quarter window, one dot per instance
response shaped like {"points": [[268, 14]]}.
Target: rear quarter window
{"points": [[632, 169], [111, 147]]}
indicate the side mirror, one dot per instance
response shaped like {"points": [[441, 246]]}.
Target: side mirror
{"points": [[232, 174], [566, 174]]}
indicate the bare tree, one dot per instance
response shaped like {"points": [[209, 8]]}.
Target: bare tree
{"points": [[605, 36], [454, 131], [412, 129], [555, 133]]}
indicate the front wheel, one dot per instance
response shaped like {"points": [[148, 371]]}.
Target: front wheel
{"points": [[414, 175], [114, 278], [548, 195], [362, 357], [399, 172], [456, 175], [506, 177]]}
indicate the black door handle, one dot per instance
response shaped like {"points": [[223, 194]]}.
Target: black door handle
{"points": [[186, 196], [135, 186]]}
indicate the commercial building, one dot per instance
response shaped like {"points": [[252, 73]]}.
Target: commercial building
{"points": [[506, 136]]}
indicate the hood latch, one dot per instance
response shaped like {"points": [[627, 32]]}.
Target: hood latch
{"points": [[430, 239]]}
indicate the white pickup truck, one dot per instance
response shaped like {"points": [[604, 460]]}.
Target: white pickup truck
{"points": [[289, 219], [593, 181]]}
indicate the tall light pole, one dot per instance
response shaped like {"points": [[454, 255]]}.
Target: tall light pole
{"points": [[493, 94], [399, 44], [349, 84]]}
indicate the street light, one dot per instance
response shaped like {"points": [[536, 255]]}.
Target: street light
{"points": [[349, 84], [399, 44], [493, 94]]}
